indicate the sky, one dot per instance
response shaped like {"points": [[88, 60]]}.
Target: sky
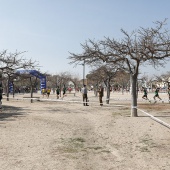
{"points": [[49, 29]]}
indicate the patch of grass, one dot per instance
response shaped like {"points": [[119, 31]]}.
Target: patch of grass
{"points": [[124, 108], [98, 148], [144, 149], [115, 113], [95, 147], [78, 140], [72, 145], [116, 146], [75, 145], [121, 113], [146, 143], [69, 150]]}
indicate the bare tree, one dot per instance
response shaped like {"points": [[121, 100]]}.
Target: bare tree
{"points": [[166, 78], [104, 74], [63, 79], [75, 79], [144, 45], [94, 79], [10, 62], [122, 79]]}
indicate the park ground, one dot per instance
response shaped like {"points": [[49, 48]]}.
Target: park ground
{"points": [[51, 134]]}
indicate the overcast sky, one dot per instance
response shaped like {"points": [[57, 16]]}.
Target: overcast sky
{"points": [[49, 29]]}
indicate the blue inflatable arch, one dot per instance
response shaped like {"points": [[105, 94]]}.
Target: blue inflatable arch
{"points": [[36, 74]]}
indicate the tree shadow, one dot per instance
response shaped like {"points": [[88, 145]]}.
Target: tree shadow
{"points": [[9, 113]]}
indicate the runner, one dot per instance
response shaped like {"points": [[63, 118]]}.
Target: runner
{"points": [[145, 95], [156, 94], [64, 91], [43, 92], [48, 92]]}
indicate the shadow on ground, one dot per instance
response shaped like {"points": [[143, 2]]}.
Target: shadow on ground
{"points": [[8, 113]]}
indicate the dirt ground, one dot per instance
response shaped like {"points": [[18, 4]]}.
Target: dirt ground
{"points": [[52, 134]]}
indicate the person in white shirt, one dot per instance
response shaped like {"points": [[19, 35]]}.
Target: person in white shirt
{"points": [[84, 93]]}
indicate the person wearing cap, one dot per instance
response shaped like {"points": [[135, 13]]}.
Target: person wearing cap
{"points": [[84, 93], [101, 92]]}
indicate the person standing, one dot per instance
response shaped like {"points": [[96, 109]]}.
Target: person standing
{"points": [[101, 92], [84, 93], [58, 92]]}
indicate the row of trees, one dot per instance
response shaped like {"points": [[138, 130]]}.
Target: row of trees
{"points": [[122, 57], [110, 75], [142, 46]]}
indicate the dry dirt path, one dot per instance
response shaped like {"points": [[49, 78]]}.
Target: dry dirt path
{"points": [[68, 136]]}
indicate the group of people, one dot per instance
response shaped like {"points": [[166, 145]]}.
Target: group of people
{"points": [[85, 97], [46, 92], [101, 94], [84, 92], [145, 95], [58, 91]]}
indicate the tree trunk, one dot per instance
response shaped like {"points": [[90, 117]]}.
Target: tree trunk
{"points": [[122, 88], [60, 89], [13, 89], [31, 90], [75, 87], [7, 90], [133, 79], [108, 92], [96, 90]]}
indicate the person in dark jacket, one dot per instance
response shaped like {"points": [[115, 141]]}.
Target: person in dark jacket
{"points": [[101, 93], [157, 94]]}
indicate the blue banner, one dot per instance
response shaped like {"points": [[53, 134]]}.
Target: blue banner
{"points": [[36, 74], [10, 87]]}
